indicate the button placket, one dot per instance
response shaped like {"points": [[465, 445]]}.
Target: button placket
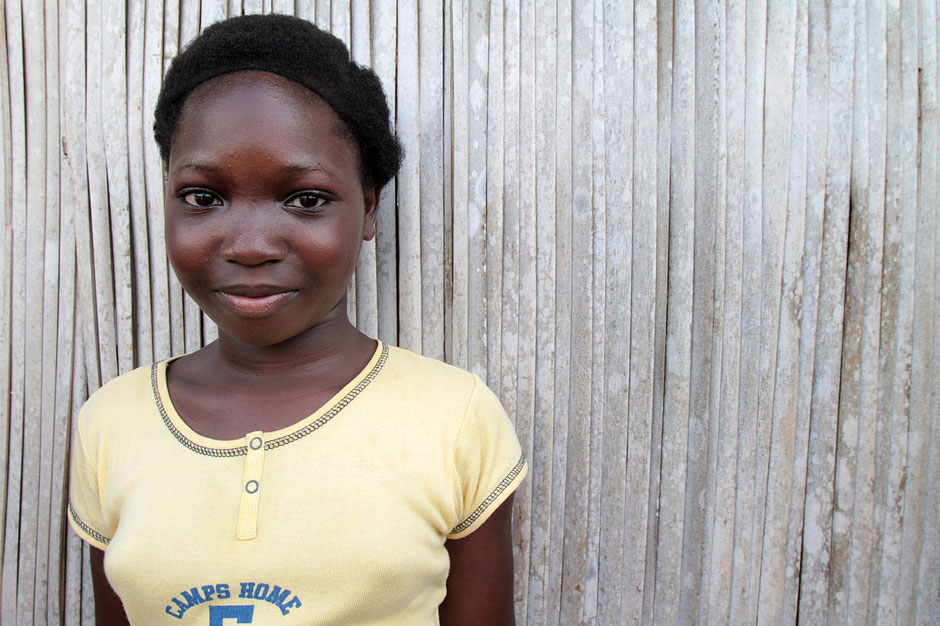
{"points": [[251, 486]]}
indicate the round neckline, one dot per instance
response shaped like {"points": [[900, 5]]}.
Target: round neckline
{"points": [[273, 439]]}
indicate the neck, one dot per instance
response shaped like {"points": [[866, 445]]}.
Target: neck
{"points": [[319, 350]]}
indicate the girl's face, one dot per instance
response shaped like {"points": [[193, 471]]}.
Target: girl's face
{"points": [[265, 210]]}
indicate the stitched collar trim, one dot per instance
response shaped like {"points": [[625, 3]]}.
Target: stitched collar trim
{"points": [[276, 442]]}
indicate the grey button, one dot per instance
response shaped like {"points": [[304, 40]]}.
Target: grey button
{"points": [[255, 443], [251, 486]]}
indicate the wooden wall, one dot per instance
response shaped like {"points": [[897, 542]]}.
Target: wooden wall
{"points": [[693, 246]]}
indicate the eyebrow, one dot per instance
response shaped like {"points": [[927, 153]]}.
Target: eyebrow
{"points": [[293, 168], [196, 165], [305, 168]]}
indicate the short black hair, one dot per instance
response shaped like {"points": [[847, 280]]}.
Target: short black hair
{"points": [[301, 52]]}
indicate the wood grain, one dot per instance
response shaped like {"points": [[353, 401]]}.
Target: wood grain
{"points": [[693, 247]]}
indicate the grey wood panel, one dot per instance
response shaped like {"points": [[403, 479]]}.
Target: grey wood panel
{"points": [[693, 247]]}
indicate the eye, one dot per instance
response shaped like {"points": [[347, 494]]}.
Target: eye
{"points": [[307, 200], [201, 198]]}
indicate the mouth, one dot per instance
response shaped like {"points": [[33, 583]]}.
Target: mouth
{"points": [[255, 301]]}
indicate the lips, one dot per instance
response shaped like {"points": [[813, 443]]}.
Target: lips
{"points": [[255, 300]]}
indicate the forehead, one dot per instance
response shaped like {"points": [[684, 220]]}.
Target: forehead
{"points": [[257, 106]]}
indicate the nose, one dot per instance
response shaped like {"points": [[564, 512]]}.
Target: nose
{"points": [[252, 239]]}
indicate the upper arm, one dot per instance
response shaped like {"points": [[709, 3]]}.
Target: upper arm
{"points": [[480, 582], [109, 610]]}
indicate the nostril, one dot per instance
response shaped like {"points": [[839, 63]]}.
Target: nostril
{"points": [[247, 248]]}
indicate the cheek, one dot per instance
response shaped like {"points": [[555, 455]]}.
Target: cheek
{"points": [[333, 251], [188, 250]]}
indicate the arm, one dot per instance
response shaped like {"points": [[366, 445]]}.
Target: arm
{"points": [[479, 585], [109, 610]]}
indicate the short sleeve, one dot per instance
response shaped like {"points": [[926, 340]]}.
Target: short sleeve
{"points": [[489, 461], [85, 512]]}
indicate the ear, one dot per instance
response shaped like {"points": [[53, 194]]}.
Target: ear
{"points": [[372, 196]]}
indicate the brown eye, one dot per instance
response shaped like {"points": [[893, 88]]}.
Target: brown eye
{"points": [[306, 200], [202, 199]]}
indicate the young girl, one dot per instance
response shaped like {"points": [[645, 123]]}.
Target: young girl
{"points": [[294, 471]]}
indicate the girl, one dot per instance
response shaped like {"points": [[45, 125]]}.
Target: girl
{"points": [[294, 471]]}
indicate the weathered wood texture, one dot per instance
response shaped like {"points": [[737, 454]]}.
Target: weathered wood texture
{"points": [[693, 246]]}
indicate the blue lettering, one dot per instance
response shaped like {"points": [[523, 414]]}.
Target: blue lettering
{"points": [[277, 596], [192, 597], [208, 591], [293, 604], [242, 614], [246, 590], [261, 590], [222, 591], [169, 611], [182, 606]]}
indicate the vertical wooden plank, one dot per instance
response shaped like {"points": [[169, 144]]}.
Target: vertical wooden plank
{"points": [[664, 89], [575, 295], [408, 123], [323, 13], [619, 45], [432, 184], [716, 602], [746, 549], [818, 520], [448, 165], [103, 304], [477, 52], [459, 105], [675, 435], [563, 199], [647, 249], [34, 259], [18, 221], [285, 7], [211, 11], [74, 195], [899, 278], [812, 106], [493, 199], [782, 404], [367, 319], [863, 539], [111, 98], [50, 327], [598, 363], [712, 43], [542, 576], [707, 259], [384, 28], [920, 526], [527, 391], [7, 254], [850, 391], [254, 7], [778, 105]]}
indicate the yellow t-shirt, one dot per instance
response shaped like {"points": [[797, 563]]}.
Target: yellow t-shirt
{"points": [[338, 519]]}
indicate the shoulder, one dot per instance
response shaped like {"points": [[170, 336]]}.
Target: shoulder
{"points": [[115, 400], [432, 376], [434, 389]]}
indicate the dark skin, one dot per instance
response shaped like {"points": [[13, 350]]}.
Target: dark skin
{"points": [[265, 214]]}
